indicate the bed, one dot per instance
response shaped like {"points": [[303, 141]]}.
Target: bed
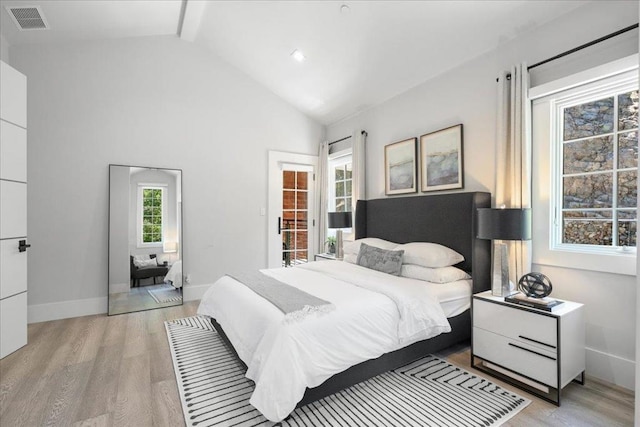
{"points": [[174, 276], [282, 360]]}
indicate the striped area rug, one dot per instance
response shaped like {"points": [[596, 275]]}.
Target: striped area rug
{"points": [[429, 392], [164, 293]]}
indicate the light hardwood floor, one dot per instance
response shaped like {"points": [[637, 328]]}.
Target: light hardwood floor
{"points": [[117, 371]]}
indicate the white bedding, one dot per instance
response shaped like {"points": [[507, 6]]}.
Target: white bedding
{"points": [[454, 297], [375, 313], [174, 276]]}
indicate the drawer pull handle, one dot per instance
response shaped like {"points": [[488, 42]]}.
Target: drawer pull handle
{"points": [[536, 341], [531, 351]]}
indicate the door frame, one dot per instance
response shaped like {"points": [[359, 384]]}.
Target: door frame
{"points": [[274, 240]]}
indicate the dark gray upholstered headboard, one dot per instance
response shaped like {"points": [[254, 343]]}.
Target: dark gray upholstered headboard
{"points": [[447, 219]]}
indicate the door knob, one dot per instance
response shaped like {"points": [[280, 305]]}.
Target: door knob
{"points": [[22, 245]]}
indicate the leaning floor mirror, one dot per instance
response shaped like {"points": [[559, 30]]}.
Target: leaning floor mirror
{"points": [[145, 238]]}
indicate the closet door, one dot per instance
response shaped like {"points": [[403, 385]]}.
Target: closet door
{"points": [[13, 210]]}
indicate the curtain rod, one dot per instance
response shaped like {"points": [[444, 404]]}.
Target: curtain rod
{"points": [[583, 46], [364, 132], [338, 140]]}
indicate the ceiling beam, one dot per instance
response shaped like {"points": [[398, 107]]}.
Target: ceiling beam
{"points": [[192, 11]]}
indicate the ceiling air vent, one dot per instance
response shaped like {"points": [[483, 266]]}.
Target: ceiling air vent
{"points": [[28, 17]]}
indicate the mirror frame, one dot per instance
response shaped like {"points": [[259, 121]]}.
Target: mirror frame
{"points": [[180, 223]]}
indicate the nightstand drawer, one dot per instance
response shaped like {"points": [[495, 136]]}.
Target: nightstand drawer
{"points": [[538, 330], [519, 356]]}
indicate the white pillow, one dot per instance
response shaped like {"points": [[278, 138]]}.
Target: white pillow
{"points": [[352, 258], [142, 262], [353, 247], [430, 255], [434, 275]]}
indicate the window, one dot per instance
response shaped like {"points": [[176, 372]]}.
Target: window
{"points": [[151, 230], [342, 186], [340, 181], [596, 147], [584, 143]]}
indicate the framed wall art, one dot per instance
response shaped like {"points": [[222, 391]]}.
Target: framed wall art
{"points": [[441, 165], [400, 160]]}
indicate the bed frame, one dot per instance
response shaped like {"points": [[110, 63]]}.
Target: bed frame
{"points": [[447, 219]]}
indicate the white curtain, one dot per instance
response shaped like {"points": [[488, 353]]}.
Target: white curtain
{"points": [[358, 161], [323, 192], [513, 158]]}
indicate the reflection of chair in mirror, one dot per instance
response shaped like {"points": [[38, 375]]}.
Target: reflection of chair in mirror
{"points": [[146, 272]]}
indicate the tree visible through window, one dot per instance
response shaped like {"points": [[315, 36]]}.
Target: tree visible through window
{"points": [[151, 215], [598, 169]]}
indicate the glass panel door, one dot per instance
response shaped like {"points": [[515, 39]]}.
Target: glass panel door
{"points": [[291, 232], [295, 214]]}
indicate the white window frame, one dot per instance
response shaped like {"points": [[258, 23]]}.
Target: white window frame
{"points": [[141, 188], [611, 88], [339, 158], [547, 102]]}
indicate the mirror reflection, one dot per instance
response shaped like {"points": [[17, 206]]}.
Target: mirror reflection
{"points": [[145, 238]]}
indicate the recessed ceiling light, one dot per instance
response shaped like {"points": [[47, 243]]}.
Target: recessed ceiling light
{"points": [[298, 56], [345, 9]]}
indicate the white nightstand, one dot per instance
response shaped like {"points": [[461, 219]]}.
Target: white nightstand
{"points": [[325, 256], [536, 350]]}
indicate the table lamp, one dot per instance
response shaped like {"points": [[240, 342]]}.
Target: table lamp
{"points": [[339, 220], [502, 224]]}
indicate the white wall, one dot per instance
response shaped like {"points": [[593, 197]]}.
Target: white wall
{"points": [[156, 101], [119, 265], [467, 95], [4, 50]]}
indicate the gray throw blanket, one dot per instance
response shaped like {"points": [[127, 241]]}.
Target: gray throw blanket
{"points": [[293, 302]]}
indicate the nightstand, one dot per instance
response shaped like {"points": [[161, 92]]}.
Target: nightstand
{"points": [[538, 351], [325, 256]]}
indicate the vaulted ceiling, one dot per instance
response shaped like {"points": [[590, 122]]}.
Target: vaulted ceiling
{"points": [[358, 53]]}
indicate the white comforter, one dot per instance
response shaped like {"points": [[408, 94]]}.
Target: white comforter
{"points": [[174, 276], [375, 313]]}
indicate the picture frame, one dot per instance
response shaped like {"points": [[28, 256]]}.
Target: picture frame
{"points": [[400, 167], [441, 160]]}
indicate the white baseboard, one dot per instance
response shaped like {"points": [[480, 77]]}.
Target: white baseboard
{"points": [[86, 307], [65, 309], [611, 368]]}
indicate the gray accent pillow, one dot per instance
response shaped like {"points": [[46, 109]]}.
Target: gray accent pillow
{"points": [[379, 259]]}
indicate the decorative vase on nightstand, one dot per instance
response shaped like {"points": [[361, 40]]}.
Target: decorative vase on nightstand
{"points": [[331, 244]]}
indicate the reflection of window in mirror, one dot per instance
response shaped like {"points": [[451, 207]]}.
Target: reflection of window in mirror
{"points": [[151, 215]]}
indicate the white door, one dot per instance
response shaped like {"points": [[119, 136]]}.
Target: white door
{"points": [[291, 220], [13, 210]]}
